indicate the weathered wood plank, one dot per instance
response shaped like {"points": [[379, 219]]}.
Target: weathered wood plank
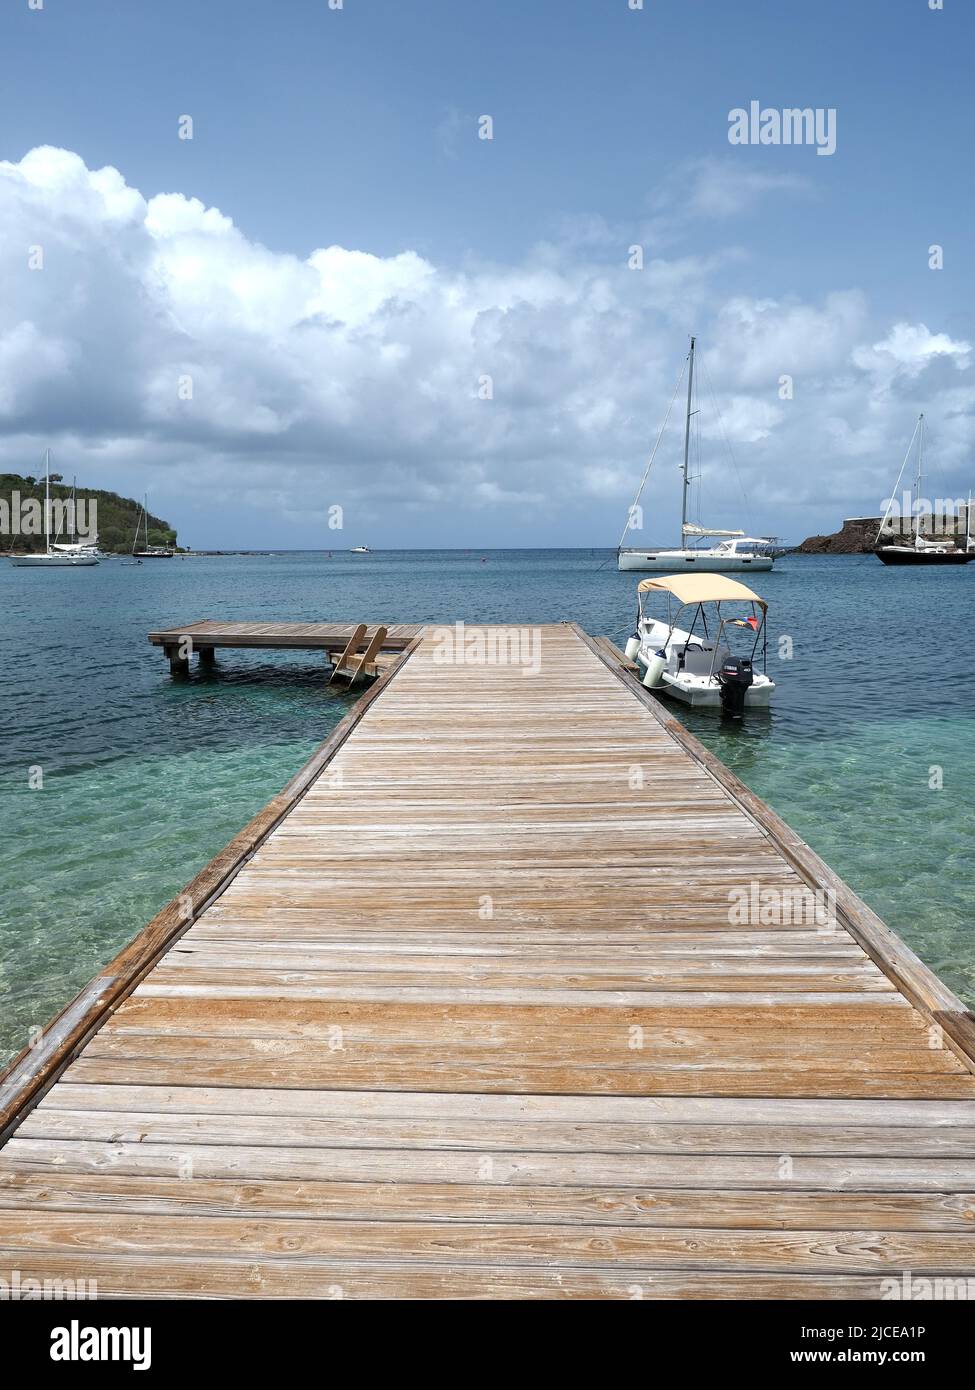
{"points": [[674, 1050], [218, 1197], [335, 1070], [696, 1172], [311, 1018], [495, 1243], [490, 1136], [188, 1099], [195, 1277]]}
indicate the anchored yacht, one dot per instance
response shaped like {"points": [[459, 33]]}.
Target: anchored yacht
{"points": [[915, 549], [734, 552], [53, 556]]}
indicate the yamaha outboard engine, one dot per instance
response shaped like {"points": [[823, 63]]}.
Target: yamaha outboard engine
{"points": [[735, 677]]}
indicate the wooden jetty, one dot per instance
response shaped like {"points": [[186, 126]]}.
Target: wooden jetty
{"points": [[204, 636], [468, 1011]]}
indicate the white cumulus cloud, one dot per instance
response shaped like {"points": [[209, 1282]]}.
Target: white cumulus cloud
{"points": [[157, 337]]}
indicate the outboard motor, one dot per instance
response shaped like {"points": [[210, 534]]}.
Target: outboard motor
{"points": [[735, 676]]}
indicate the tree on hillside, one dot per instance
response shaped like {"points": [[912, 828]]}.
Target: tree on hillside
{"points": [[112, 539]]}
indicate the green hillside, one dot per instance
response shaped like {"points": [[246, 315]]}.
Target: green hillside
{"points": [[117, 516]]}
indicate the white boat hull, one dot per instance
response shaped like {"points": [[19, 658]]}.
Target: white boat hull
{"points": [[52, 562], [704, 692], [673, 561], [699, 691]]}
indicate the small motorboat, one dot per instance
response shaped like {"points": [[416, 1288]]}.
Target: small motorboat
{"points": [[698, 663]]}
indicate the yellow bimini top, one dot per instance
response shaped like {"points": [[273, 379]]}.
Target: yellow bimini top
{"points": [[702, 588]]}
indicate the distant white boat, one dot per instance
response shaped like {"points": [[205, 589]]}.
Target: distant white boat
{"points": [[360, 550], [734, 552], [52, 557], [52, 560], [74, 546], [730, 556], [77, 548]]}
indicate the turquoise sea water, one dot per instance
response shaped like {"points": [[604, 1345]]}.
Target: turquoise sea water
{"points": [[145, 778]]}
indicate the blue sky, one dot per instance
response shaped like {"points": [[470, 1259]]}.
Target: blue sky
{"points": [[356, 129]]}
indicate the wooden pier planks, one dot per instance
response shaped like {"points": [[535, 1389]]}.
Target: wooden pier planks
{"points": [[475, 1020]]}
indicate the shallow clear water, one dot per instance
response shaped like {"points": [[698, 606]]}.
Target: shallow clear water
{"points": [[145, 778]]}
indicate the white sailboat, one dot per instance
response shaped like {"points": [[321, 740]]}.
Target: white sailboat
{"points": [[735, 551], [74, 546], [150, 552], [914, 549], [54, 556]]}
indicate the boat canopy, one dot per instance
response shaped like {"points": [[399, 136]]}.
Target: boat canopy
{"points": [[702, 588]]}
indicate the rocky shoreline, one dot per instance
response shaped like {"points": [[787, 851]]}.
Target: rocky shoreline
{"points": [[853, 538]]}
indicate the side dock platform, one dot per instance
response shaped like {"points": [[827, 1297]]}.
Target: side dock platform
{"points": [[206, 636]]}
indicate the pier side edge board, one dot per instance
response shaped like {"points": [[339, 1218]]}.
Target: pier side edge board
{"points": [[917, 982], [35, 1069]]}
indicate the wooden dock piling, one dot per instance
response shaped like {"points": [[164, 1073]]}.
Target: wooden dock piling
{"points": [[179, 664], [480, 1006]]}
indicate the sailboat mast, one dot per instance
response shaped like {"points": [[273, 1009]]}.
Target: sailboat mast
{"points": [[47, 501], [138, 528], [687, 441], [893, 499], [917, 486]]}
